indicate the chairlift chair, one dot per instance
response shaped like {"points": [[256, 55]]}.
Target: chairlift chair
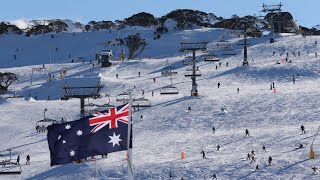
{"points": [[223, 44], [168, 71], [123, 97], [7, 167], [229, 52], [141, 102], [169, 90], [43, 124], [189, 73]]}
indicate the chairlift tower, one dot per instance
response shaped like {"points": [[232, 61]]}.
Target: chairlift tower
{"points": [[245, 49], [272, 9], [193, 47]]}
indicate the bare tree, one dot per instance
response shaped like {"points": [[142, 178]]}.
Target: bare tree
{"points": [[6, 79], [135, 44]]}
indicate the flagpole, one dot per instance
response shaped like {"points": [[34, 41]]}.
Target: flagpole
{"points": [[129, 151]]}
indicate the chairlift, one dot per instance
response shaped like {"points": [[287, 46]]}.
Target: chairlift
{"points": [[168, 71], [187, 62], [42, 125], [123, 97], [211, 57], [8, 167], [189, 73], [169, 90], [223, 44], [229, 52], [141, 102]]}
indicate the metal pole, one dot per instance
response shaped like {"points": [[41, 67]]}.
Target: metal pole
{"points": [[194, 82], [50, 64], [314, 138], [129, 151]]}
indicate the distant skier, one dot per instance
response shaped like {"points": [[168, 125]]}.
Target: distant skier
{"points": [[218, 147], [273, 53], [270, 160], [263, 148], [300, 146], [213, 129], [257, 167], [117, 76], [238, 90], [216, 67], [253, 159], [203, 155], [248, 156], [154, 80], [214, 176], [139, 73], [189, 109], [141, 118], [252, 153], [18, 159], [293, 79], [15, 57], [315, 170], [28, 160], [316, 54], [62, 120], [247, 133], [227, 64], [273, 84], [152, 92], [302, 129], [219, 64], [218, 85]]}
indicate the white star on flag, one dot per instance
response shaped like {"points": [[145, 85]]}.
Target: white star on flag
{"points": [[79, 132], [72, 153], [59, 137], [68, 126], [115, 139], [64, 141]]}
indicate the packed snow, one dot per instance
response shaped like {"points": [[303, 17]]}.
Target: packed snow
{"points": [[273, 117]]}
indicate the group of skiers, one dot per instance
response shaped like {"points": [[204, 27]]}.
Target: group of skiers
{"points": [[27, 160]]}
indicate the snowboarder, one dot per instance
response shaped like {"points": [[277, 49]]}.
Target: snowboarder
{"points": [[218, 85], [238, 90], [302, 130], [214, 176], [213, 129], [300, 146], [189, 109], [203, 155], [263, 148], [247, 132], [18, 159], [270, 160], [257, 167], [218, 147], [315, 170], [139, 73], [117, 76], [28, 159]]}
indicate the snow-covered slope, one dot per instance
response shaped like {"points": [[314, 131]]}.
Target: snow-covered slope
{"points": [[272, 117]]}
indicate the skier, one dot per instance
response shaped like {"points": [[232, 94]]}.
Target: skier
{"points": [[273, 85], [238, 90], [216, 67], [117, 76], [302, 130], [189, 109], [28, 159], [315, 170], [214, 176], [218, 147], [213, 129], [273, 53], [257, 167], [218, 85], [139, 73], [142, 93], [62, 120], [300, 146], [253, 159], [152, 93], [263, 148], [154, 80], [219, 64], [270, 160], [316, 54], [248, 156], [141, 118], [203, 155], [247, 132], [227, 64], [18, 159], [252, 152], [15, 57]]}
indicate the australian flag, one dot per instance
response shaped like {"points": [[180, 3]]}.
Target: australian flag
{"points": [[101, 133]]}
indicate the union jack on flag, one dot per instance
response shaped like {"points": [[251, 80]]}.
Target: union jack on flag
{"points": [[111, 117]]}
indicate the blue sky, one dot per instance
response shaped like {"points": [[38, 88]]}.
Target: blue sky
{"points": [[304, 11]]}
